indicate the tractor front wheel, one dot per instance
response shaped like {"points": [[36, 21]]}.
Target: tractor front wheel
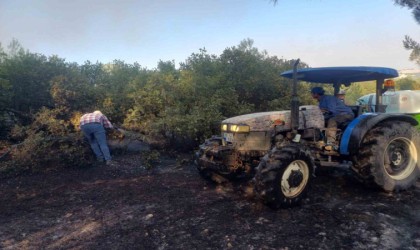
{"points": [[283, 176]]}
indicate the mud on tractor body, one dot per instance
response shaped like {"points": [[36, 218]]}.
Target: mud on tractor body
{"points": [[281, 149]]}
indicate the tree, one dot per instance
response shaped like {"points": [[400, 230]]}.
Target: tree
{"points": [[411, 4], [29, 75], [414, 46], [5, 86], [407, 83], [255, 76], [408, 42]]}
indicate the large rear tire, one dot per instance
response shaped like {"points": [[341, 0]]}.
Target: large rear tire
{"points": [[283, 176], [389, 156]]}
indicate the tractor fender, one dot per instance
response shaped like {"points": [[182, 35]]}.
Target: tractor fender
{"points": [[357, 129]]}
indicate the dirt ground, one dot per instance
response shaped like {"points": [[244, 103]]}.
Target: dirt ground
{"points": [[172, 207]]}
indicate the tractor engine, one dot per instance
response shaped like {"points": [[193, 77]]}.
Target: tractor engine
{"points": [[245, 139]]}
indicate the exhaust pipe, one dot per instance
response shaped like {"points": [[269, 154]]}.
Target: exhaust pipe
{"points": [[295, 100]]}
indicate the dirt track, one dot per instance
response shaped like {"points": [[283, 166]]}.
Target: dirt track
{"points": [[171, 207]]}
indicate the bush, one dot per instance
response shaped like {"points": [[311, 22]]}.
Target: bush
{"points": [[50, 142]]}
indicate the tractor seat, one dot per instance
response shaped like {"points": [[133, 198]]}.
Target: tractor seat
{"points": [[357, 110]]}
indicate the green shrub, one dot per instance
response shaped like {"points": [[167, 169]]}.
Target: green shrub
{"points": [[50, 142]]}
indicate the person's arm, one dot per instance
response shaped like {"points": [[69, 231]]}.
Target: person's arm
{"points": [[106, 122], [82, 119]]}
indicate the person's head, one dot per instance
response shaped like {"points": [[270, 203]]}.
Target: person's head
{"points": [[317, 92], [97, 112], [341, 95]]}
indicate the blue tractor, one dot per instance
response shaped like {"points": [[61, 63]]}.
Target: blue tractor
{"points": [[280, 150]]}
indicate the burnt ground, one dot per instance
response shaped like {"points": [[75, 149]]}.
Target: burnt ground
{"points": [[171, 207]]}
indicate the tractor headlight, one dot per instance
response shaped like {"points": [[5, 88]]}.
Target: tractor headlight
{"points": [[224, 127], [235, 128], [239, 128]]}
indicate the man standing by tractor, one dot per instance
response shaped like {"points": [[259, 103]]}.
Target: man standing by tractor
{"points": [[335, 113]]}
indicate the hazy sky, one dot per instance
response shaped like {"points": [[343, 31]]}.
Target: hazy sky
{"points": [[319, 32]]}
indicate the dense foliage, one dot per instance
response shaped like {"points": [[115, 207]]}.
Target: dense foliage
{"points": [[42, 98]]}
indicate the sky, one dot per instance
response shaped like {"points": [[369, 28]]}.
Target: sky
{"points": [[319, 32]]}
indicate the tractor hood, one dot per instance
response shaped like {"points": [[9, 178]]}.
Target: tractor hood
{"points": [[309, 116]]}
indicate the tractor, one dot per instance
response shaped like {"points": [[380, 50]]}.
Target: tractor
{"points": [[280, 150]]}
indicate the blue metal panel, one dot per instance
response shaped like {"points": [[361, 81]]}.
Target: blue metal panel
{"points": [[345, 139]]}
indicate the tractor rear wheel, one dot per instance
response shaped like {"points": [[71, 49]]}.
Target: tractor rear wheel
{"points": [[283, 176], [389, 156]]}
